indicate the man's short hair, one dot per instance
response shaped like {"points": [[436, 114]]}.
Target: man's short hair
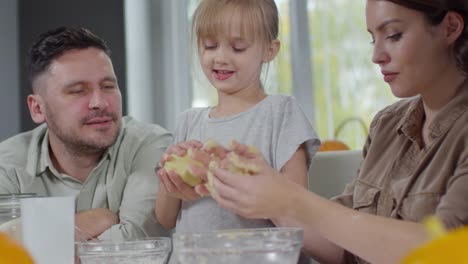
{"points": [[54, 43]]}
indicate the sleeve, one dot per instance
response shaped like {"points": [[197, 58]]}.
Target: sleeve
{"points": [[180, 134], [295, 129], [136, 212], [8, 181], [453, 206]]}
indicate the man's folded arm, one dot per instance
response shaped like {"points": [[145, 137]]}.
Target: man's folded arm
{"points": [[136, 213]]}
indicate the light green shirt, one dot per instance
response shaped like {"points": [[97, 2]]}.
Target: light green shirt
{"points": [[124, 181]]}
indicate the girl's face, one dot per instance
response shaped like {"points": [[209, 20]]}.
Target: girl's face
{"points": [[232, 62], [412, 54]]}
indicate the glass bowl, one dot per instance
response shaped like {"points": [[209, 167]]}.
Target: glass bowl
{"points": [[259, 246], [143, 251], [10, 213]]}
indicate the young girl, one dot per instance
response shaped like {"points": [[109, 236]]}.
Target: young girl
{"points": [[234, 39]]}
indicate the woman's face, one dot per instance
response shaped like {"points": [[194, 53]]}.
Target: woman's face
{"points": [[411, 53]]}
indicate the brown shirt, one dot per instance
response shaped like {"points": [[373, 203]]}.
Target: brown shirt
{"points": [[403, 179]]}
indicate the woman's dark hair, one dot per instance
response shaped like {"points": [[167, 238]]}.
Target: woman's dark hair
{"points": [[435, 11], [54, 43]]}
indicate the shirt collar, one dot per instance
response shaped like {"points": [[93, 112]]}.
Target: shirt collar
{"points": [[451, 112], [44, 156], [412, 121]]}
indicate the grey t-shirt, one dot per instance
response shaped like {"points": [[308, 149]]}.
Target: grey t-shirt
{"points": [[276, 126]]}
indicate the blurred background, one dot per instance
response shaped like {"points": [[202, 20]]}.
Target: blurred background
{"points": [[325, 60]]}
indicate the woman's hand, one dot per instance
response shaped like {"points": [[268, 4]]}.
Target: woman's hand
{"points": [[258, 196]]}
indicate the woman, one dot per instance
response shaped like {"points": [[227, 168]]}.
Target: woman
{"points": [[415, 158]]}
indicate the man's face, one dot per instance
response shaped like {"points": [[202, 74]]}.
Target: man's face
{"points": [[80, 101]]}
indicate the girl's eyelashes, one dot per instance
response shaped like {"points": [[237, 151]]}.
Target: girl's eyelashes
{"points": [[238, 50], [210, 44], [210, 47], [235, 49]]}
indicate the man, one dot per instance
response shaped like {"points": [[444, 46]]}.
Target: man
{"points": [[83, 147]]}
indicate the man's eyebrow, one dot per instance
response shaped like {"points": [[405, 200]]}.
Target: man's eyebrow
{"points": [[105, 79], [75, 83], [386, 23], [109, 79]]}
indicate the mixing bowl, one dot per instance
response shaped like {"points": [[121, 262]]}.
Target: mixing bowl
{"points": [[143, 251], [239, 246]]}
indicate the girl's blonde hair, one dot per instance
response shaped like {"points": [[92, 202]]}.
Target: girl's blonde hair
{"points": [[258, 18]]}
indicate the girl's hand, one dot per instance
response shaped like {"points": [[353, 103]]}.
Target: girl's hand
{"points": [[258, 196], [172, 185]]}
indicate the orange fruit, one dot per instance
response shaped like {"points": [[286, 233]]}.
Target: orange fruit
{"points": [[333, 145], [11, 252], [450, 248], [445, 247]]}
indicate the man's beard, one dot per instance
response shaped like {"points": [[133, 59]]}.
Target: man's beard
{"points": [[80, 144]]}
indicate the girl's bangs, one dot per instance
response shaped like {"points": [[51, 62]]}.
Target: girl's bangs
{"points": [[213, 22]]}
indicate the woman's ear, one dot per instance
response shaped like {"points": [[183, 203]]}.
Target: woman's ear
{"points": [[272, 50], [36, 108], [454, 25]]}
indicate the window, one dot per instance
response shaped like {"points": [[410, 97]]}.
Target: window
{"points": [[347, 89]]}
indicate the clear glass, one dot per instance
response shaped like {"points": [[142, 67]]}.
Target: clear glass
{"points": [[259, 246], [10, 213], [152, 250]]}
